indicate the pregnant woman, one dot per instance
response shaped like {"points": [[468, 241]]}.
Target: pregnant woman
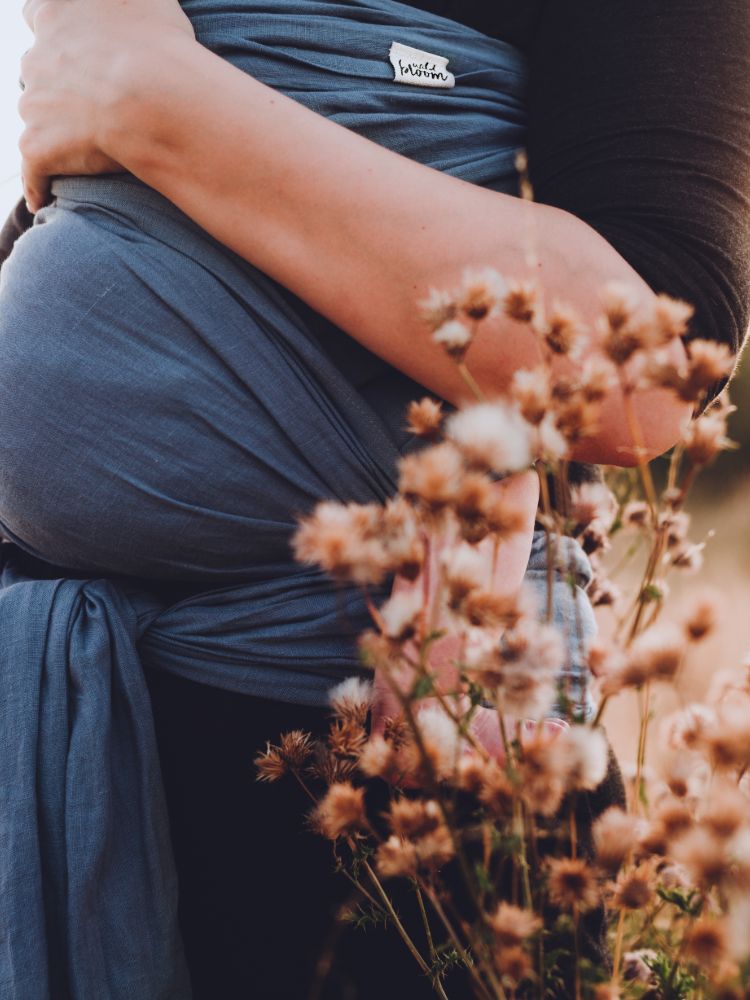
{"points": [[211, 326]]}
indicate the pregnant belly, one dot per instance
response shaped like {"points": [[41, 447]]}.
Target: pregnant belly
{"points": [[165, 409], [161, 407]]}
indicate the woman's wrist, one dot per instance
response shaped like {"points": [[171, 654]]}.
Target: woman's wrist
{"points": [[141, 81]]}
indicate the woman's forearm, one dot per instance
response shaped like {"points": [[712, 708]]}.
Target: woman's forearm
{"points": [[355, 230]]}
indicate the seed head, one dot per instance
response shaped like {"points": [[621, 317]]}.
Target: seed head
{"points": [[378, 758], [531, 392], [521, 301], [585, 752], [481, 292], [343, 539], [615, 837], [510, 925], [400, 615], [702, 618], [351, 699], [424, 418], [706, 942], [341, 812], [396, 858], [413, 818], [572, 884], [431, 477], [270, 765], [491, 436], [455, 338], [437, 308], [562, 330], [633, 889]]}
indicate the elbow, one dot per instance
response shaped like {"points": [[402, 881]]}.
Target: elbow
{"points": [[637, 430]]}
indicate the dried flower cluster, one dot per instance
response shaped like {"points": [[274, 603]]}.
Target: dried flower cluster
{"points": [[484, 763]]}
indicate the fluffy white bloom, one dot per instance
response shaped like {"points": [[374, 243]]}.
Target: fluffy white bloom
{"points": [[593, 502], [441, 738], [493, 436], [552, 444], [586, 756], [400, 613], [454, 336], [351, 697]]}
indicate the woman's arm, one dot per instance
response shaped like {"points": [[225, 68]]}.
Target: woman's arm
{"points": [[356, 231]]}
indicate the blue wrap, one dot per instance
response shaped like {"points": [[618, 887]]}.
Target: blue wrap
{"points": [[166, 410]]}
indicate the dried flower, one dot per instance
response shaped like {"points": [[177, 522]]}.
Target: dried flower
{"points": [[296, 748], [615, 837], [633, 890], [347, 737], [706, 941], [351, 699], [400, 615], [413, 818], [396, 858], [702, 618], [491, 436], [431, 477], [655, 654], [441, 740], [435, 848], [591, 502], [341, 812], [671, 317], [455, 338], [704, 857], [438, 308], [727, 810], [480, 292], [378, 758], [585, 752], [343, 539], [465, 569], [510, 925], [705, 437], [571, 884], [531, 392], [521, 301], [562, 330], [636, 514], [497, 792], [425, 418], [514, 964], [271, 765]]}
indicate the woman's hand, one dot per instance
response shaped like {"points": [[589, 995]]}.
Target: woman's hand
{"points": [[70, 78], [521, 492]]}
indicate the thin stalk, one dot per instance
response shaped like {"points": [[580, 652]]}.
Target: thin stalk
{"points": [[413, 950], [617, 958], [470, 381], [457, 943], [644, 707], [551, 546]]}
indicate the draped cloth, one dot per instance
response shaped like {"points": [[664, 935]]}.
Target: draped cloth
{"points": [[165, 412]]}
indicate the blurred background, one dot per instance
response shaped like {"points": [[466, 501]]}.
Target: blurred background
{"points": [[720, 506]]}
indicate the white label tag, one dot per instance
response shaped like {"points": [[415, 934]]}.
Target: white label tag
{"points": [[420, 69]]}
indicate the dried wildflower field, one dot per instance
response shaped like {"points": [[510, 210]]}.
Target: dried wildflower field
{"points": [[720, 514], [471, 761]]}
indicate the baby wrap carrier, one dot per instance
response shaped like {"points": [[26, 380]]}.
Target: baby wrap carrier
{"points": [[166, 411]]}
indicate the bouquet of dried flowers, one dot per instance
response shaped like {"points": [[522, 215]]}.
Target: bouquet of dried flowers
{"points": [[480, 754]]}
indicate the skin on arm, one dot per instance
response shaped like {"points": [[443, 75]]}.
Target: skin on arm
{"points": [[348, 226]]}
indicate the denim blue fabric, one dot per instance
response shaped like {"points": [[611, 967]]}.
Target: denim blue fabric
{"points": [[165, 411]]}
